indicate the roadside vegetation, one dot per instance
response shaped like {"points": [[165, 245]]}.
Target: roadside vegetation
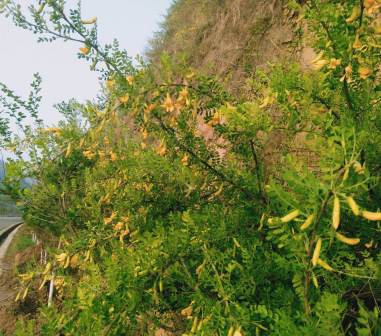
{"points": [[22, 241], [21, 251], [8, 207], [176, 206]]}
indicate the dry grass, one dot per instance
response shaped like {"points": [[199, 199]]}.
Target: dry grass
{"points": [[19, 253], [230, 39]]}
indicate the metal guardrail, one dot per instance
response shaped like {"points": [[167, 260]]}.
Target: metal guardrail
{"points": [[4, 233]]}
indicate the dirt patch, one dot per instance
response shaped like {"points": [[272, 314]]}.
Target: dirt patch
{"points": [[8, 289], [19, 252]]}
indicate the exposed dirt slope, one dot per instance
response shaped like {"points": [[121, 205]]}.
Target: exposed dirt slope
{"points": [[228, 38]]}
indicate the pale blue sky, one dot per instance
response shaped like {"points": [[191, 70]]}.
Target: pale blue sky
{"points": [[132, 22]]}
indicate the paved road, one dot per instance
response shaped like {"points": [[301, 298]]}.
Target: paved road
{"points": [[7, 222]]}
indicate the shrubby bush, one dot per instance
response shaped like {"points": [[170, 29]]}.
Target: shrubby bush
{"points": [[169, 206]]}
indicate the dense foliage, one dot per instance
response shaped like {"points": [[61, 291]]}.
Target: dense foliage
{"points": [[173, 205]]}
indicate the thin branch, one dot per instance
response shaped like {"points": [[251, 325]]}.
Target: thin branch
{"points": [[257, 171], [170, 131], [94, 46]]}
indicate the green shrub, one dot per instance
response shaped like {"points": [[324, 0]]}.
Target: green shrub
{"points": [[180, 207]]}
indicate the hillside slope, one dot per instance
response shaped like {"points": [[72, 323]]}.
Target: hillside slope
{"points": [[228, 38], [233, 40]]}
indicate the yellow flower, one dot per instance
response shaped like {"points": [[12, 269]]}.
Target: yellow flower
{"points": [[184, 93], [346, 240], [307, 222], [267, 100], [318, 65], [59, 281], [90, 21], [369, 3], [168, 104], [318, 62], [55, 130], [149, 108], [108, 220], [130, 79], [25, 293], [113, 156], [357, 43], [187, 311], [74, 261], [147, 187], [216, 119], [101, 155], [372, 216], [369, 245], [26, 277], [316, 254], [125, 219], [347, 75], [291, 216], [354, 206], [359, 168], [364, 72], [144, 134], [48, 268], [124, 99], [334, 63], [81, 142], [105, 199], [68, 150], [118, 226], [84, 50], [323, 264], [356, 13], [88, 154], [110, 84], [336, 213], [123, 234], [162, 149], [183, 97], [348, 70], [185, 159], [61, 258]]}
